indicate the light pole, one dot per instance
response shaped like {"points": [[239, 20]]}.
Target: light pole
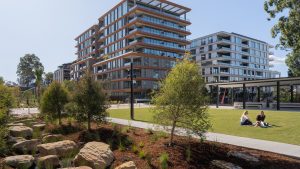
{"points": [[131, 90]]}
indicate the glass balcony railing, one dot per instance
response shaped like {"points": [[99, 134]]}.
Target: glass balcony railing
{"points": [[162, 23], [160, 12]]}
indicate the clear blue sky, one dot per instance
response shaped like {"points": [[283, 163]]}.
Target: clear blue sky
{"points": [[47, 28]]}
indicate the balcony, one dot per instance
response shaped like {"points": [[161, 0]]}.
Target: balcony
{"points": [[224, 48], [224, 56], [159, 12]]}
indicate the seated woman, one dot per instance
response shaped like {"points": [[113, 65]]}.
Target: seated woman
{"points": [[260, 120], [245, 119]]}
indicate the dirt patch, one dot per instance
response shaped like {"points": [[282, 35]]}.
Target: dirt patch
{"points": [[145, 148]]}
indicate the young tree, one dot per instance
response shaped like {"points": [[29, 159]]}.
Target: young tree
{"points": [[90, 100], [53, 101], [181, 100], [1, 80], [48, 78], [288, 28], [38, 82], [26, 68]]}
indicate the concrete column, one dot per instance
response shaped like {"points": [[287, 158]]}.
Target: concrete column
{"points": [[218, 96], [278, 95], [292, 94], [258, 94], [244, 96]]}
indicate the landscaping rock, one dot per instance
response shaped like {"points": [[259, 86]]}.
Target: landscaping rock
{"points": [[20, 131], [219, 164], [52, 138], [94, 155], [39, 126], [13, 140], [127, 165], [15, 124], [20, 161], [26, 146], [61, 148], [81, 167], [246, 157], [50, 161]]}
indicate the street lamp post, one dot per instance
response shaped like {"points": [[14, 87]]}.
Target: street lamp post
{"points": [[131, 90]]}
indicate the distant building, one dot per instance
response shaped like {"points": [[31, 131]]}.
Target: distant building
{"points": [[62, 73], [151, 34], [226, 57]]}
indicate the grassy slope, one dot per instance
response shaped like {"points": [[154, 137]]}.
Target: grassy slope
{"points": [[286, 127]]}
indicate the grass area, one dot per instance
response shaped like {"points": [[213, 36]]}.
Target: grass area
{"points": [[286, 125]]}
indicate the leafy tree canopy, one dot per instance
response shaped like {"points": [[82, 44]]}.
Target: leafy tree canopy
{"points": [[53, 100], [182, 100], [288, 28], [48, 78], [90, 100], [26, 69]]}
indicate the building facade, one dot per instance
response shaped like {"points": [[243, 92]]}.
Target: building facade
{"points": [[226, 57], [62, 73], [149, 33]]}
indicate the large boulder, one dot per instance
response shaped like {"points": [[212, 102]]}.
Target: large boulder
{"points": [[40, 127], [13, 140], [20, 161], [244, 157], [61, 148], [20, 131], [95, 155], [127, 165], [81, 167], [15, 124], [52, 138], [219, 164], [50, 161], [26, 146]]}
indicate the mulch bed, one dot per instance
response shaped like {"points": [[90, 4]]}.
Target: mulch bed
{"points": [[201, 153]]}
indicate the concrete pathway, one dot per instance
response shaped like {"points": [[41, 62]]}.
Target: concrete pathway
{"points": [[280, 148]]}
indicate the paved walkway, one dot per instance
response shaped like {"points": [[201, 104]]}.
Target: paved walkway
{"points": [[280, 148]]}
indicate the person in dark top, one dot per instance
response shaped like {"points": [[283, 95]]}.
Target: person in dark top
{"points": [[260, 120]]}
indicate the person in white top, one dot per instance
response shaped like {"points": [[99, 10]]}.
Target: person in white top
{"points": [[245, 119]]}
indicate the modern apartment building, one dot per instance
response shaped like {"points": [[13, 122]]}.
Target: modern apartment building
{"points": [[149, 33], [62, 73], [228, 57]]}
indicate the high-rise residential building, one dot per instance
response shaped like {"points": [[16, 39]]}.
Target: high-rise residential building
{"points": [[228, 57], [62, 73], [150, 33]]}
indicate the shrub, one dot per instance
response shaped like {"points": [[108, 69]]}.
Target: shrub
{"points": [[163, 160], [188, 153], [142, 154], [149, 131], [141, 145], [121, 147], [134, 149]]}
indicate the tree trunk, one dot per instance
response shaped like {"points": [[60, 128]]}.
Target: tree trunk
{"points": [[89, 122], [59, 117], [172, 133]]}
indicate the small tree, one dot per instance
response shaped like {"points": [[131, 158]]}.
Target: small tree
{"points": [[53, 100], [181, 100], [90, 101]]}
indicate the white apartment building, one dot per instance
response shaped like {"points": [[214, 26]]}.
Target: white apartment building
{"points": [[228, 57]]}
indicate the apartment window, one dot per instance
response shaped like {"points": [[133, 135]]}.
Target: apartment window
{"points": [[210, 47]]}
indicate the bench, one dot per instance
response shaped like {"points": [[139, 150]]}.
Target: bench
{"points": [[257, 105], [285, 105]]}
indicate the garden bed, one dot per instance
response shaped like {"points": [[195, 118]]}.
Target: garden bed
{"points": [[145, 147]]}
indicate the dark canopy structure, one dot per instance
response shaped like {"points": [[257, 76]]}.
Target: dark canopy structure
{"points": [[275, 82]]}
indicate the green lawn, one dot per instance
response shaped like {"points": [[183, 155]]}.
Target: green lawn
{"points": [[286, 125]]}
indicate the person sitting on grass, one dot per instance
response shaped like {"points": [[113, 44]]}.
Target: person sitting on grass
{"points": [[260, 120], [245, 119]]}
